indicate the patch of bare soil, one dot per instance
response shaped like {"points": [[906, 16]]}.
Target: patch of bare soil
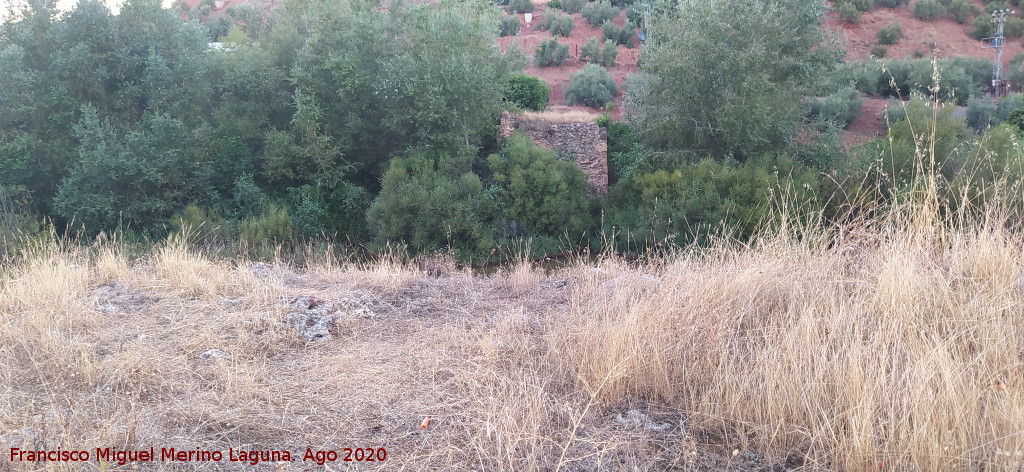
{"points": [[868, 125], [942, 38]]}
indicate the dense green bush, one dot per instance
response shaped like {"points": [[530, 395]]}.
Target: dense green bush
{"points": [[960, 77], [1016, 120], [591, 86], [983, 27], [849, 13], [903, 151], [1014, 28], [509, 26], [878, 51], [624, 35], [541, 198], [554, 4], [966, 165], [1015, 69], [984, 113], [520, 6], [1007, 105], [859, 5], [980, 113], [694, 202], [621, 3], [840, 108], [560, 24], [891, 3], [889, 34], [590, 51], [599, 12], [572, 6], [272, 227], [610, 52], [528, 92], [550, 53], [928, 10], [430, 207], [963, 10]]}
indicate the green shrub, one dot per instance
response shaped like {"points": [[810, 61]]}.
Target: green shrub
{"points": [[693, 202], [1007, 105], [859, 5], [878, 51], [840, 108], [509, 26], [980, 113], [993, 6], [623, 35], [1014, 28], [194, 220], [528, 92], [1016, 119], [520, 6], [541, 198], [849, 13], [963, 10], [621, 3], [920, 119], [554, 4], [550, 53], [599, 12], [983, 27], [960, 77], [273, 227], [610, 52], [889, 34], [928, 10], [891, 3], [560, 24], [573, 6], [427, 206], [1015, 69], [591, 50], [248, 200], [592, 86], [635, 14]]}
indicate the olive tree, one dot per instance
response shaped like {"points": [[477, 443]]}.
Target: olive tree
{"points": [[724, 77]]}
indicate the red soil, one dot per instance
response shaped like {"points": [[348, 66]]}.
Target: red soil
{"points": [[868, 125], [558, 77], [942, 38]]}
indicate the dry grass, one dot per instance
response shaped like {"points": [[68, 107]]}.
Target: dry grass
{"points": [[569, 115], [903, 347]]}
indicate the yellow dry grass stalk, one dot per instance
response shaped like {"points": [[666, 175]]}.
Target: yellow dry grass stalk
{"points": [[560, 116]]}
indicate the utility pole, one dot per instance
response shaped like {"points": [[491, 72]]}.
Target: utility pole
{"points": [[996, 42]]}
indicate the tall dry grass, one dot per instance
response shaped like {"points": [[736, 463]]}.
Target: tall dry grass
{"points": [[901, 347], [895, 344]]}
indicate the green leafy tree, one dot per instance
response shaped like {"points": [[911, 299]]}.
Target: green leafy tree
{"points": [[528, 92], [726, 86], [138, 178]]}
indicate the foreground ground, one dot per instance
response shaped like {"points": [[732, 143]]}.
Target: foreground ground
{"points": [[899, 347]]}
